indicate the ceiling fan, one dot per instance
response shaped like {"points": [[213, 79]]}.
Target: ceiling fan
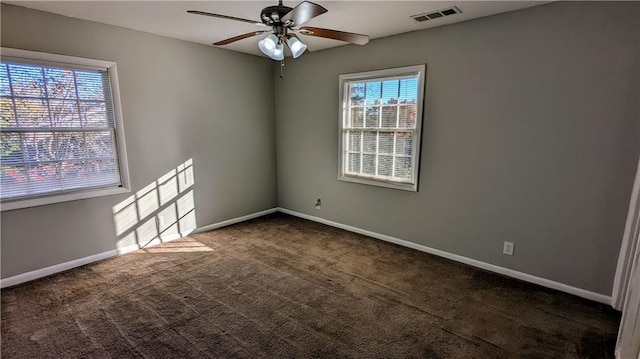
{"points": [[285, 22]]}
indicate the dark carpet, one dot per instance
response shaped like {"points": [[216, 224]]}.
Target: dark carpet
{"points": [[283, 287]]}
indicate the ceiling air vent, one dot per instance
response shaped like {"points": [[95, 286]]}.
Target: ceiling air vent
{"points": [[436, 14]]}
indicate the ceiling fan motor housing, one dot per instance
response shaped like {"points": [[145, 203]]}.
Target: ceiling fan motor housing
{"points": [[271, 15]]}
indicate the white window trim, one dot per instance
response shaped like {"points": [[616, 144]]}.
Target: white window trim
{"points": [[76, 62], [411, 185]]}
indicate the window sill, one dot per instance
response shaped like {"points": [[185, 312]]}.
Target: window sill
{"points": [[412, 187], [59, 198]]}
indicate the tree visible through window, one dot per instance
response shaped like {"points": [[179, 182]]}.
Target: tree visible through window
{"points": [[58, 130], [380, 124]]}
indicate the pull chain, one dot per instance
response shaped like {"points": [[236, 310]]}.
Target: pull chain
{"points": [[282, 69]]}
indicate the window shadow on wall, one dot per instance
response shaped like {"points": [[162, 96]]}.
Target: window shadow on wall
{"points": [[160, 212]]}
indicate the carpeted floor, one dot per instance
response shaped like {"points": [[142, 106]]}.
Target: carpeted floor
{"points": [[283, 287]]}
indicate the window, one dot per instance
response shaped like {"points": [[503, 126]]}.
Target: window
{"points": [[380, 122], [60, 129]]}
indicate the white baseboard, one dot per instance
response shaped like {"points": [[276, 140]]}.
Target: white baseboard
{"points": [[39, 273], [236, 220], [473, 262], [43, 272]]}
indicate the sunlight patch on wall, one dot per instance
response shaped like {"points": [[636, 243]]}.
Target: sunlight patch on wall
{"points": [[185, 211], [147, 200], [185, 175], [125, 215], [162, 211], [169, 227], [169, 187]]}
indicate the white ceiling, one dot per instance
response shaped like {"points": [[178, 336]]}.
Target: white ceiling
{"points": [[169, 18]]}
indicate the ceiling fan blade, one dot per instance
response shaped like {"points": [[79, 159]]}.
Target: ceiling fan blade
{"points": [[335, 35], [203, 13], [240, 37], [302, 13]]}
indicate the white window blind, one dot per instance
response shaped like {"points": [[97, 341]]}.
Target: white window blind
{"points": [[58, 129], [380, 127]]}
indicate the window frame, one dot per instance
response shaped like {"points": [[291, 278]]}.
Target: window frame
{"points": [[72, 62], [418, 71]]}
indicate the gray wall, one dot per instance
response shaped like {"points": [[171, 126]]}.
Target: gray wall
{"points": [[530, 135], [179, 101]]}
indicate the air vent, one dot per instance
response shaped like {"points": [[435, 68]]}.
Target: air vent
{"points": [[436, 14]]}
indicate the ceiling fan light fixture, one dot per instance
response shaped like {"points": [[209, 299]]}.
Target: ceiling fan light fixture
{"points": [[296, 46], [268, 45], [278, 52]]}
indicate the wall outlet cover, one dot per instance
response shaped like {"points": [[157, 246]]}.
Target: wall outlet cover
{"points": [[508, 248]]}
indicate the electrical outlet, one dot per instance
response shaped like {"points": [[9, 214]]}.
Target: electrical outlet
{"points": [[318, 203], [508, 248]]}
